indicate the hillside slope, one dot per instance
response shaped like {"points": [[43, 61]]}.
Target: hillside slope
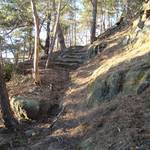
{"points": [[107, 103]]}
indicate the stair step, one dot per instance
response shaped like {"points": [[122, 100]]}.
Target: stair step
{"points": [[74, 56], [70, 61], [66, 65], [77, 52], [76, 47], [79, 61]]}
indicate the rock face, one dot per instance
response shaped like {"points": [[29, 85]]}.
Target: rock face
{"points": [[25, 108], [132, 81], [108, 88]]}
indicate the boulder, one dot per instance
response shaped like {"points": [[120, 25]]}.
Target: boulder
{"points": [[98, 92], [25, 108], [137, 79], [106, 89], [132, 80], [115, 83]]}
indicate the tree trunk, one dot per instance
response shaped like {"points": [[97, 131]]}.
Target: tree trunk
{"points": [[7, 115], [54, 20], [47, 41], [61, 38], [75, 24], [30, 55], [70, 35], [55, 34], [36, 75], [16, 57], [93, 22]]}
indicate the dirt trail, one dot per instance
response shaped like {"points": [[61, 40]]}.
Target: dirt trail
{"points": [[55, 81]]}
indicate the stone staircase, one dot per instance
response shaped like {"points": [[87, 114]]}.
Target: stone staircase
{"points": [[71, 58]]}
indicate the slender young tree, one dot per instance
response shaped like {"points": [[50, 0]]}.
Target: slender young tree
{"points": [[60, 35], [93, 21], [47, 41], [61, 38], [48, 24], [36, 75], [55, 34], [30, 53]]}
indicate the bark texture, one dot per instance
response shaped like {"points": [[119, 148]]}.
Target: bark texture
{"points": [[36, 75], [7, 115], [61, 38], [47, 41], [93, 21], [54, 35]]}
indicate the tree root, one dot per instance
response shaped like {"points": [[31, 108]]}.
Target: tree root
{"points": [[57, 118]]}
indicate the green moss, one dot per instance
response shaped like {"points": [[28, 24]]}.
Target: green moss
{"points": [[98, 91], [88, 144], [139, 77], [146, 76], [115, 83], [25, 108], [133, 79], [105, 89]]}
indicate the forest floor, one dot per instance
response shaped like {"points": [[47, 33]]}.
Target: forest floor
{"points": [[54, 83]]}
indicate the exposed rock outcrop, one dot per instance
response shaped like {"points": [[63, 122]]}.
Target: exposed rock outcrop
{"points": [[25, 108]]}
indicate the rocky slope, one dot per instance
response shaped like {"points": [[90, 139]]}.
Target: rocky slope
{"points": [[109, 95]]}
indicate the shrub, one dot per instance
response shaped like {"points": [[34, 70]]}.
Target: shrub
{"points": [[8, 69]]}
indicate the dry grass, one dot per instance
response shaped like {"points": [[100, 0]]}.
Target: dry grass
{"points": [[104, 62], [120, 122]]}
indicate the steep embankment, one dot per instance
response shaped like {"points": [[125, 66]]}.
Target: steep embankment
{"points": [[107, 103]]}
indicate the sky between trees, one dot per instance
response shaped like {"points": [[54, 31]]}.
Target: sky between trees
{"points": [[17, 29]]}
